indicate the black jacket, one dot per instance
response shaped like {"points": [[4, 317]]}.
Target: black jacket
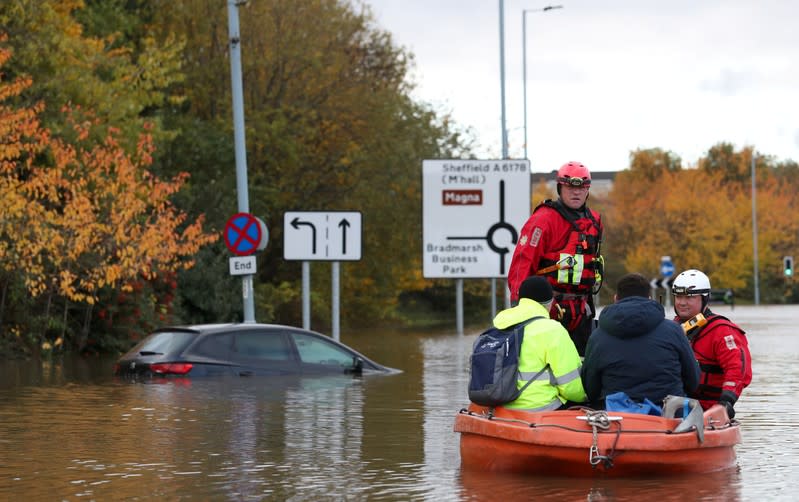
{"points": [[637, 350]]}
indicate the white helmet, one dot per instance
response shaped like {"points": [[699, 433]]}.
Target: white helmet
{"points": [[691, 283]]}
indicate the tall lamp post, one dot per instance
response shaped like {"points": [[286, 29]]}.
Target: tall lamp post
{"points": [[524, 62], [503, 124], [754, 231]]}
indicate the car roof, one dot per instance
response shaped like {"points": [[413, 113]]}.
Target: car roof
{"points": [[230, 327]]}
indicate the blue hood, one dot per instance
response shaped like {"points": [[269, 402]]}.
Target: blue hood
{"points": [[631, 317]]}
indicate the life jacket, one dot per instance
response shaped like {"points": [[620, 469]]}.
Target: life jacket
{"points": [[712, 378], [574, 266]]}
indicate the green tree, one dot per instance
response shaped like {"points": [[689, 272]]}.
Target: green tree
{"points": [[94, 65], [330, 126]]}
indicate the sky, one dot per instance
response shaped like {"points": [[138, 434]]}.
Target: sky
{"points": [[607, 77]]}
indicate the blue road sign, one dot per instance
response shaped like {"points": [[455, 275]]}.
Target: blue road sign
{"points": [[666, 266]]}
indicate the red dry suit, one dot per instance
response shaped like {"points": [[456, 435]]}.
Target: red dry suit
{"points": [[722, 350], [563, 245]]}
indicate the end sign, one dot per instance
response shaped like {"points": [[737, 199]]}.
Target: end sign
{"points": [[242, 265]]}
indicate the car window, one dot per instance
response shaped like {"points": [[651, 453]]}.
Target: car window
{"points": [[271, 346], [217, 346], [165, 342], [315, 350]]}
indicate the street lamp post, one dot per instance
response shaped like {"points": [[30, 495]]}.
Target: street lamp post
{"points": [[754, 231], [524, 62], [504, 129]]}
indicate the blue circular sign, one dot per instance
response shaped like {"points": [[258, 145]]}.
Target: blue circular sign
{"points": [[245, 234]]}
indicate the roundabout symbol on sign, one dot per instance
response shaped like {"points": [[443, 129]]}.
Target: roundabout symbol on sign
{"points": [[245, 234]]}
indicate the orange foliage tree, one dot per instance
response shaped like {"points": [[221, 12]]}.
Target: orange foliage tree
{"points": [[80, 216], [702, 216]]}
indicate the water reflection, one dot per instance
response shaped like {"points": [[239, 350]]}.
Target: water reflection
{"points": [[68, 431], [724, 485]]}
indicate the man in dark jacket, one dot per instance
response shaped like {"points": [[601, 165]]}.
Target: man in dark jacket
{"points": [[637, 350]]}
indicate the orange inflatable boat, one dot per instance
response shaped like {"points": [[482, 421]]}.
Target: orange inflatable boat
{"points": [[586, 442]]}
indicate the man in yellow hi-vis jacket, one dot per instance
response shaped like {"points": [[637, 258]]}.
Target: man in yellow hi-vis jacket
{"points": [[548, 355]]}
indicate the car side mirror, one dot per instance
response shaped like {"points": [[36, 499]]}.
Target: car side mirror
{"points": [[357, 366]]}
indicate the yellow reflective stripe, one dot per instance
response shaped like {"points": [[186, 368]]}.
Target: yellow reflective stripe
{"points": [[531, 375], [554, 405], [568, 377], [575, 273], [577, 270]]}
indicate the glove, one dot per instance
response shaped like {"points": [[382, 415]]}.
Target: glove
{"points": [[730, 409], [728, 399]]}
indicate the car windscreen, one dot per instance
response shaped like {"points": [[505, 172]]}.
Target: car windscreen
{"points": [[165, 342]]}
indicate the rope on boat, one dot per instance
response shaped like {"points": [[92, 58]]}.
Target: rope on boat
{"points": [[533, 425], [600, 420]]}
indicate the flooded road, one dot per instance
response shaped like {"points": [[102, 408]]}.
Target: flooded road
{"points": [[69, 431]]}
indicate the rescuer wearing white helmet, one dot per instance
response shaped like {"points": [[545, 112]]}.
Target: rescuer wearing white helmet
{"points": [[720, 346]]}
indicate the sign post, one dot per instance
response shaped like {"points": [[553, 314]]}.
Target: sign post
{"points": [[237, 95], [321, 236], [472, 213], [667, 271], [244, 235]]}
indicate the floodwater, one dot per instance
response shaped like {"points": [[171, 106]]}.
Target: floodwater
{"points": [[69, 431]]}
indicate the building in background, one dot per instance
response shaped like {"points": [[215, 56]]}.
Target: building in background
{"points": [[601, 181]]}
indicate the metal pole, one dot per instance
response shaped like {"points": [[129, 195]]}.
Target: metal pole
{"points": [[238, 136], [524, 86], [524, 75], [306, 295], [502, 99], [493, 298], [754, 230], [502, 75], [334, 284], [459, 306]]}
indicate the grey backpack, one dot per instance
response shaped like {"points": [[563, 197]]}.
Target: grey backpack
{"points": [[494, 365]]}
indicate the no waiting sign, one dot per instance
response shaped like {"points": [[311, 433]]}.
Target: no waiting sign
{"points": [[472, 213], [245, 234]]}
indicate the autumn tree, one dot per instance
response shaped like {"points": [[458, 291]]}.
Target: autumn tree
{"points": [[702, 217], [21, 139], [80, 217], [330, 126]]}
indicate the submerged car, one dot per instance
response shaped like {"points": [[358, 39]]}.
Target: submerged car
{"points": [[247, 349]]}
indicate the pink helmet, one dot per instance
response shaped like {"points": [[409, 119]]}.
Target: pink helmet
{"points": [[574, 174]]}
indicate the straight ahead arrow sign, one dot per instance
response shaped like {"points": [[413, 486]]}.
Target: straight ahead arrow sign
{"points": [[344, 224]]}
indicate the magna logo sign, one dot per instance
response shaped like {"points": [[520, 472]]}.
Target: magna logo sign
{"points": [[462, 197]]}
